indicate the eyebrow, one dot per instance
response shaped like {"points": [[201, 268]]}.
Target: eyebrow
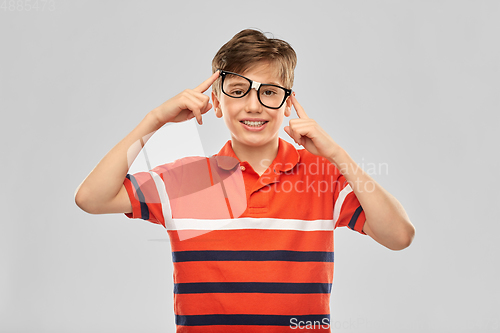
{"points": [[234, 84], [272, 82]]}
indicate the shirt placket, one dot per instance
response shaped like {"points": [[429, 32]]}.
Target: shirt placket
{"points": [[258, 196]]}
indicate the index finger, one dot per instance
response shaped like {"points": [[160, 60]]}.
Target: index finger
{"points": [[205, 85], [300, 110]]}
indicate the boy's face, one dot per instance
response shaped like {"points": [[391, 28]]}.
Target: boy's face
{"points": [[237, 111]]}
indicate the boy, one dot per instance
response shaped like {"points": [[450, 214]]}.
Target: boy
{"points": [[259, 256]]}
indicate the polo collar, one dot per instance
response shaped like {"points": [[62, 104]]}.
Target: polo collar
{"points": [[226, 158], [286, 159]]}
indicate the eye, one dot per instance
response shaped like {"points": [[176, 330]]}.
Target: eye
{"points": [[269, 92], [237, 92]]}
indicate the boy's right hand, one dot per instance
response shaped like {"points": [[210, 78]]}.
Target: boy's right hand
{"points": [[188, 104]]}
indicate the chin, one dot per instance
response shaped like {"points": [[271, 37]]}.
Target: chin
{"points": [[256, 142]]}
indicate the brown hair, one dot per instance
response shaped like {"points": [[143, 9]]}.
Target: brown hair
{"points": [[249, 47]]}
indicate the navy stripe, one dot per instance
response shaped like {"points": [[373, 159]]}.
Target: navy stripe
{"points": [[354, 217], [252, 287], [260, 320], [142, 199], [278, 255]]}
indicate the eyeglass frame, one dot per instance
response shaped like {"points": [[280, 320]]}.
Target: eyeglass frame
{"points": [[255, 85]]}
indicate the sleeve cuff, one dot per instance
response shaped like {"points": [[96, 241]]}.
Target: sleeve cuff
{"points": [[136, 205], [358, 220]]}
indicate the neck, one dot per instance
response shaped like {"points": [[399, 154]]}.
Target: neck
{"points": [[259, 157]]}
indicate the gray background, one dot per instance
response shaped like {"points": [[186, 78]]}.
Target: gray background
{"points": [[412, 86]]}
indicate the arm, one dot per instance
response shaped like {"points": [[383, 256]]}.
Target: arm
{"points": [[103, 190], [386, 220]]}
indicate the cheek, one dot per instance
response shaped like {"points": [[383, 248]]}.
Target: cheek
{"points": [[223, 103], [231, 106], [281, 113], [278, 118]]}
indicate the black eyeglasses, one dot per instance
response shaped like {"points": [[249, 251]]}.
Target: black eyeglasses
{"points": [[237, 86]]}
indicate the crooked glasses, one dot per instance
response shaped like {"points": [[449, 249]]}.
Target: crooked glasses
{"points": [[237, 86]]}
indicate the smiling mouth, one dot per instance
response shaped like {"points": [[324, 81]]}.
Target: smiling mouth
{"points": [[253, 123]]}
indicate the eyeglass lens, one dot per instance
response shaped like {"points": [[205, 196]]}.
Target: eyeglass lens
{"points": [[237, 86]]}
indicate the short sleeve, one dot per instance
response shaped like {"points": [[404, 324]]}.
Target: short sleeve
{"points": [[144, 197], [185, 189], [347, 211], [152, 194]]}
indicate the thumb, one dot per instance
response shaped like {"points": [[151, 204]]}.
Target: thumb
{"points": [[287, 130]]}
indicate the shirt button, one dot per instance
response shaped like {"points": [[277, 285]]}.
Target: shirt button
{"points": [[242, 168]]}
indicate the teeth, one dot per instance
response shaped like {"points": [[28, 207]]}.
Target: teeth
{"points": [[253, 123]]}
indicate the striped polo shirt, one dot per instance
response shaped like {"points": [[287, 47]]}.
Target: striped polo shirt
{"points": [[250, 253]]}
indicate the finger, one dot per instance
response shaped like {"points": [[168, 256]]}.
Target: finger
{"points": [[289, 132], [207, 107], [195, 106], [208, 82], [298, 123], [300, 110], [204, 102], [300, 130], [203, 111], [293, 134]]}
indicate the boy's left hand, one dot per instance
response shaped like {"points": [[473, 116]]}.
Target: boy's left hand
{"points": [[307, 133]]}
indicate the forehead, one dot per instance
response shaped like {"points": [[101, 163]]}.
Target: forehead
{"points": [[263, 72]]}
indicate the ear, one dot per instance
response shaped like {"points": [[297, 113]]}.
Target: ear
{"points": [[288, 107], [216, 104]]}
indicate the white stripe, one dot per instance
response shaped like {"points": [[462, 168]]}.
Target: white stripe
{"points": [[165, 202], [251, 223], [338, 204]]}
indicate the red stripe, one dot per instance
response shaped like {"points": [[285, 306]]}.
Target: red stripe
{"points": [[242, 303], [253, 239], [252, 271]]}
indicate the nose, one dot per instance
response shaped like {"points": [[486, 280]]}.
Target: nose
{"points": [[252, 102]]}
